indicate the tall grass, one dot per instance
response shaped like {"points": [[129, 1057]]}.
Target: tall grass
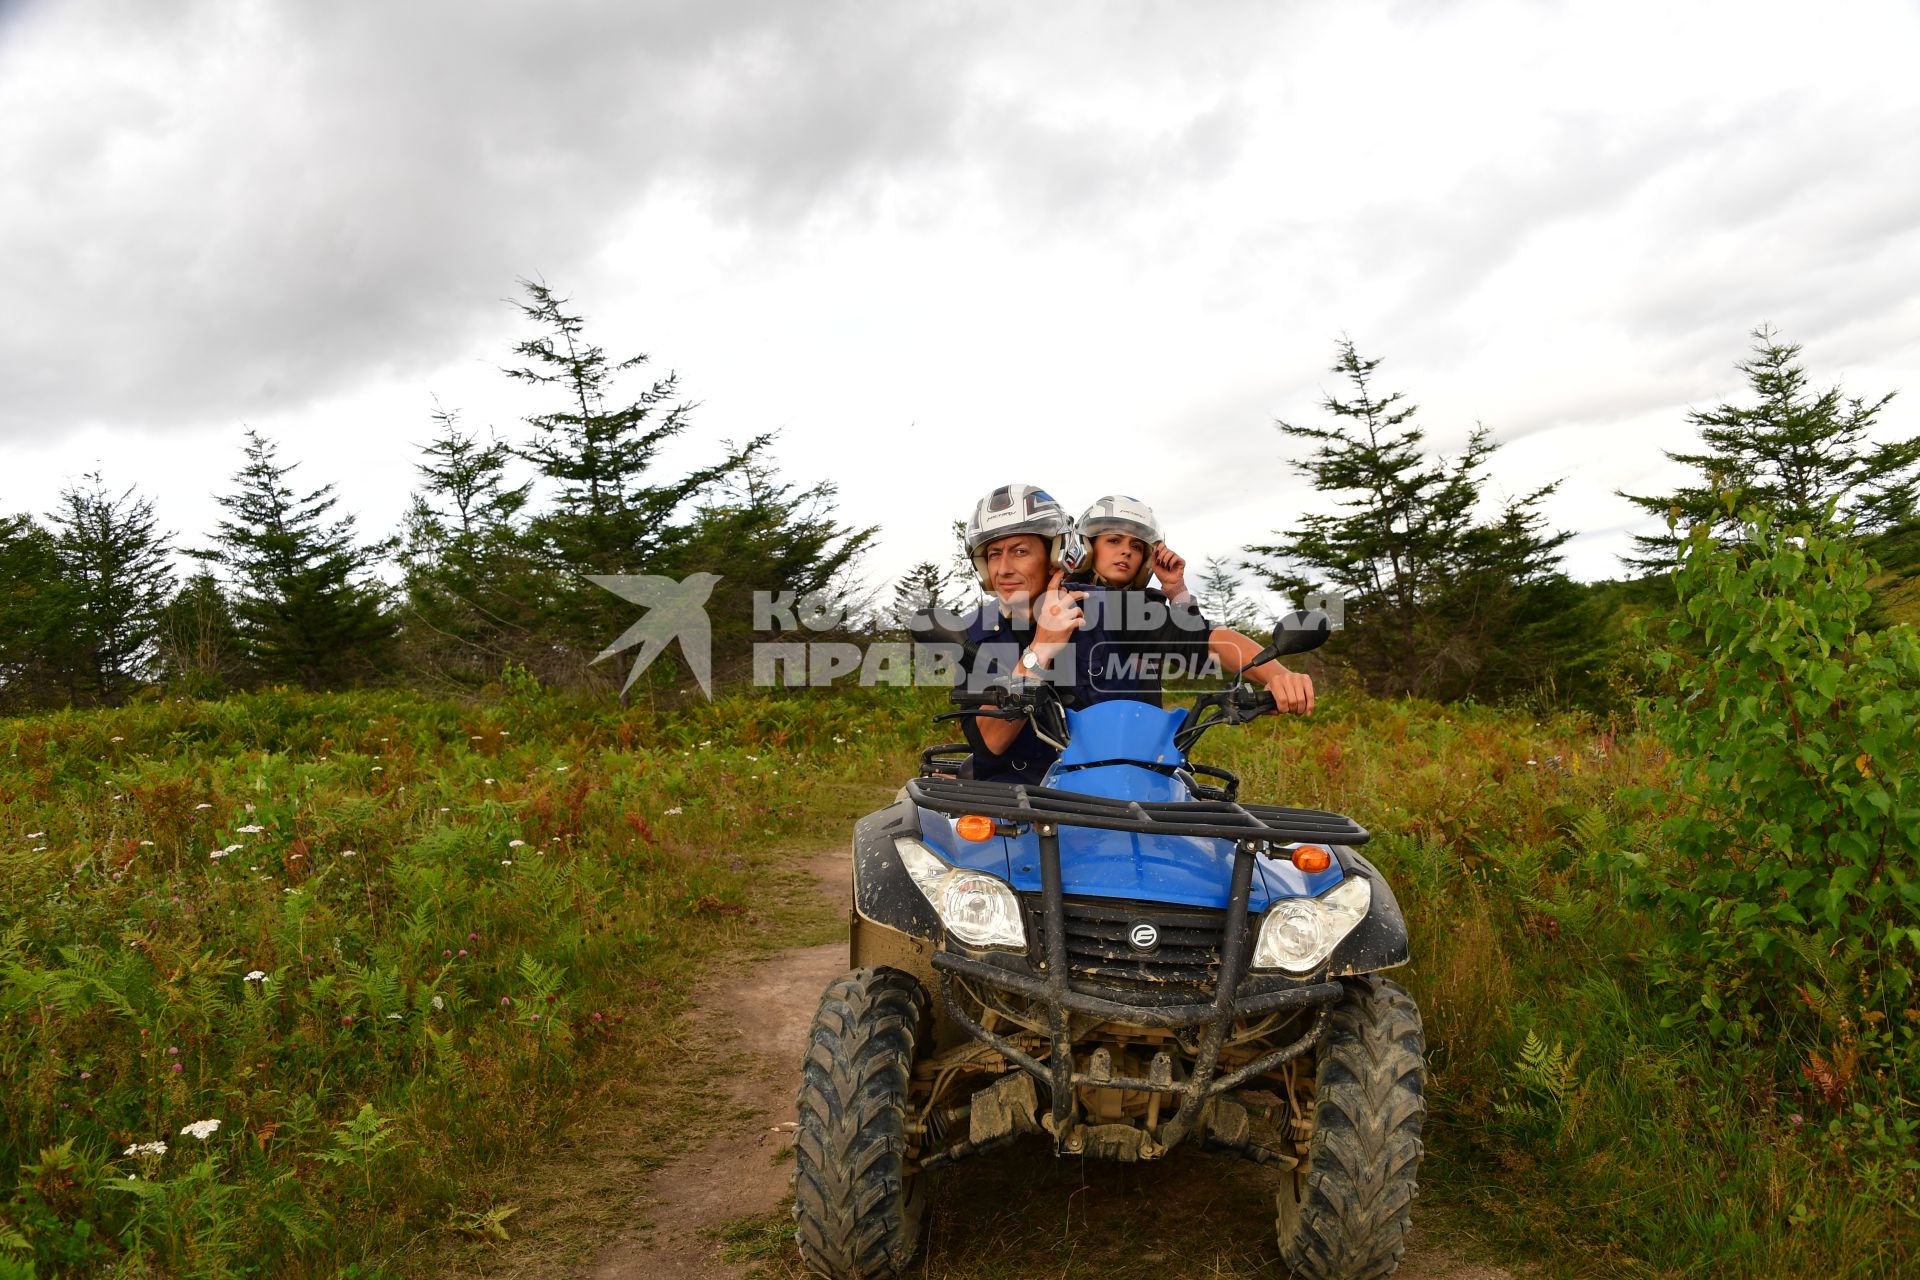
{"points": [[380, 939], [433, 997]]}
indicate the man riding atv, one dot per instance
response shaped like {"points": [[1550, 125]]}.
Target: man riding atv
{"points": [[1114, 958]]}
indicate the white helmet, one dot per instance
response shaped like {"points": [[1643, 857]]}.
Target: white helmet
{"points": [[1023, 508], [1118, 513]]}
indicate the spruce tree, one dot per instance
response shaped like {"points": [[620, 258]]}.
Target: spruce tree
{"points": [[926, 586], [1430, 589], [305, 610], [474, 588], [1793, 452], [115, 571], [36, 611]]}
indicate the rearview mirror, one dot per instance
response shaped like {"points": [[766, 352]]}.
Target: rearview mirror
{"points": [[1298, 632]]}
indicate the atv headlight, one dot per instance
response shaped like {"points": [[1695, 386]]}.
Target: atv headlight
{"points": [[1299, 933], [977, 908]]}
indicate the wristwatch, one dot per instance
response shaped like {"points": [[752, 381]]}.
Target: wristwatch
{"points": [[1030, 661]]}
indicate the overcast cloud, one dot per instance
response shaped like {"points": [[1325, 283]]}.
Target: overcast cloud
{"points": [[1094, 246]]}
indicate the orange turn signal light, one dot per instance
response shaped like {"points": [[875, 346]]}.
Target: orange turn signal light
{"points": [[975, 826], [1311, 857]]}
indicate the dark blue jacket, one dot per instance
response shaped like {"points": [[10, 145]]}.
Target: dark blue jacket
{"points": [[1000, 642]]}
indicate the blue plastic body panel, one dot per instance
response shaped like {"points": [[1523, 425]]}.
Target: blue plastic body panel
{"points": [[1184, 870]]}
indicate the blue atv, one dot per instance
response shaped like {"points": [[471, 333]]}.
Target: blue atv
{"points": [[1121, 959]]}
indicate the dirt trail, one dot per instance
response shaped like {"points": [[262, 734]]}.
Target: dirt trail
{"points": [[760, 1020]]}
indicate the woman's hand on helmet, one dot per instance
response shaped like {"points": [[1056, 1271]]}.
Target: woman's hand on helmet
{"points": [[1171, 569]]}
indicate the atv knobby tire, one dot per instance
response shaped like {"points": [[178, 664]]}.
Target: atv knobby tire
{"points": [[1343, 1214], [857, 1207]]}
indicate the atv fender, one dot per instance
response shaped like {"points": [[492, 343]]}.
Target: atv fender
{"points": [[892, 923], [1380, 940]]}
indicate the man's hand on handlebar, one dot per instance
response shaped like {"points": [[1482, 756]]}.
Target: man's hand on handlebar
{"points": [[1292, 690]]}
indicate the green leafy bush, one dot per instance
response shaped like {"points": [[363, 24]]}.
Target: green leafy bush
{"points": [[1790, 870]]}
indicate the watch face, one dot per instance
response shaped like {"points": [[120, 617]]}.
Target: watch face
{"points": [[1029, 661]]}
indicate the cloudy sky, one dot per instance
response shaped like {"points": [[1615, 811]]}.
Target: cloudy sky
{"points": [[1096, 246]]}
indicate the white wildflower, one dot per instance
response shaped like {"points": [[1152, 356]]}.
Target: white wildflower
{"points": [[251, 829], [673, 812], [203, 805], [256, 975], [488, 781], [379, 768], [516, 844], [838, 738], [395, 1017], [35, 835], [346, 853], [201, 1129], [506, 862], [438, 1004], [707, 743], [116, 738], [218, 853], [153, 1148], [146, 844]]}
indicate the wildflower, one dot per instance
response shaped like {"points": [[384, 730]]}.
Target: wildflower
{"points": [[201, 1129], [394, 1017], [506, 862], [346, 853], [251, 829], [149, 1148], [218, 853], [838, 738], [438, 1004], [596, 1017], [488, 781], [146, 844], [673, 812], [116, 738], [444, 809], [473, 737], [463, 951], [256, 975], [473, 937], [35, 835], [202, 805], [505, 1001], [176, 1068], [707, 743], [536, 1017], [173, 1050], [379, 768], [445, 954], [516, 844], [292, 856]]}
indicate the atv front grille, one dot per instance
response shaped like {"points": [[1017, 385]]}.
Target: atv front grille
{"points": [[1185, 952]]}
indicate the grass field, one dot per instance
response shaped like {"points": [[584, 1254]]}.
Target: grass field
{"points": [[390, 942]]}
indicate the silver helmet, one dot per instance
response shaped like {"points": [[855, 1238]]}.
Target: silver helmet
{"points": [[1023, 508], [1118, 513]]}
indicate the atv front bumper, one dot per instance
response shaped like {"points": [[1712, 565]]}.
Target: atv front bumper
{"points": [[1054, 989]]}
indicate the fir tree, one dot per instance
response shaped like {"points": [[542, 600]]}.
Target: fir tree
{"points": [[1430, 589], [115, 574], [304, 610], [36, 611], [1793, 452], [925, 587]]}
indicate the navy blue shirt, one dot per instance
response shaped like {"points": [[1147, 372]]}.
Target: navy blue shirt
{"points": [[1000, 642], [1145, 641]]}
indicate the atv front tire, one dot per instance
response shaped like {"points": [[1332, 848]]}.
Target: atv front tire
{"points": [[1343, 1213], [857, 1207]]}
